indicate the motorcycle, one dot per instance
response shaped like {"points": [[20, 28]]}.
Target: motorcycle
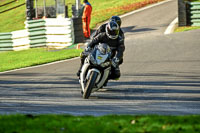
{"points": [[95, 70]]}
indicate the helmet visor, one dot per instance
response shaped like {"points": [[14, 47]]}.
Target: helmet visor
{"points": [[112, 33]]}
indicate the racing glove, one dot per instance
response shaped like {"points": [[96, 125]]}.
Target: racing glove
{"points": [[115, 62], [87, 49]]}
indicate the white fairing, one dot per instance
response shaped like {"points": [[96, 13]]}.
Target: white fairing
{"points": [[98, 59], [85, 75]]}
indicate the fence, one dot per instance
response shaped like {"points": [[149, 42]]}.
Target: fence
{"points": [[188, 13], [17, 40], [195, 13], [56, 33], [53, 33]]}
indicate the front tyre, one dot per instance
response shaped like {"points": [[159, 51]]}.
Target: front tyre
{"points": [[90, 84]]}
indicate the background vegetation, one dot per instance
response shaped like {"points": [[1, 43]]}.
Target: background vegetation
{"points": [[102, 10], [186, 28], [14, 19]]}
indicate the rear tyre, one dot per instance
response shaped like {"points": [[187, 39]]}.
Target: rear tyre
{"points": [[90, 84]]}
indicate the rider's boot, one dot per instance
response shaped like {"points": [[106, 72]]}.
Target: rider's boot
{"points": [[115, 73], [82, 62]]}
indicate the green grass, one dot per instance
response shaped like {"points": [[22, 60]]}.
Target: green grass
{"points": [[13, 19], [186, 28], [103, 124], [20, 59], [9, 5], [194, 0]]}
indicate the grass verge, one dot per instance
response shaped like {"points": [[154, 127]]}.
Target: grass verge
{"points": [[186, 28], [103, 124], [35, 56], [9, 20]]}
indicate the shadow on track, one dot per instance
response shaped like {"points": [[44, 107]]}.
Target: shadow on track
{"points": [[179, 90]]}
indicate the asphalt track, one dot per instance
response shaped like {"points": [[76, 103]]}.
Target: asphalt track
{"points": [[160, 75]]}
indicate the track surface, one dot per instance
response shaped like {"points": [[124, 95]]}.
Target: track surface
{"points": [[160, 75]]}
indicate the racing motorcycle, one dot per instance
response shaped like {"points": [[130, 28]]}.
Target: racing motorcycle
{"points": [[95, 70]]}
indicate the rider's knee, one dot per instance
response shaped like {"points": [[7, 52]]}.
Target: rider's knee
{"points": [[117, 74], [121, 61]]}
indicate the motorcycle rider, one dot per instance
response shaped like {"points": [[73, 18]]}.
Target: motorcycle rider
{"points": [[115, 41], [102, 28]]}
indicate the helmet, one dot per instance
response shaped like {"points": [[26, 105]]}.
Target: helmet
{"points": [[112, 30], [116, 19]]}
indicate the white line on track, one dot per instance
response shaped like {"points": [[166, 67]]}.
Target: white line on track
{"points": [[171, 27], [125, 15]]}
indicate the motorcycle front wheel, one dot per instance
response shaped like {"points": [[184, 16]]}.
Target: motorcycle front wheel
{"points": [[90, 84]]}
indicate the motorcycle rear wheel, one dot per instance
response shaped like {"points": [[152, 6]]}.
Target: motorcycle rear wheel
{"points": [[90, 84]]}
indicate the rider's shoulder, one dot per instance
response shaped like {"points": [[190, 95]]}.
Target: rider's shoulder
{"points": [[102, 27], [121, 31], [101, 35]]}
